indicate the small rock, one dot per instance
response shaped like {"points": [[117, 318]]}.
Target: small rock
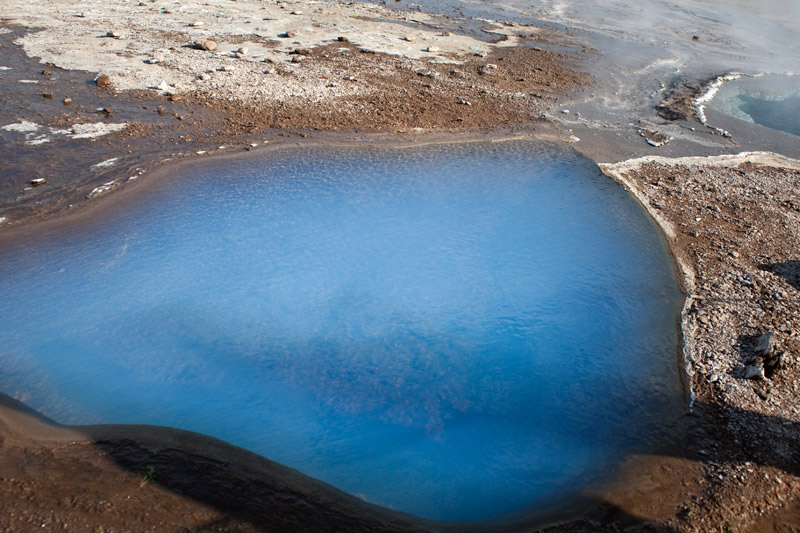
{"points": [[288, 34], [107, 111], [754, 371], [243, 50], [205, 44], [196, 23], [38, 181], [408, 38], [103, 81], [565, 111], [297, 59], [433, 49], [67, 101], [47, 73], [152, 61], [47, 95], [764, 343], [175, 98], [446, 34], [114, 34], [343, 39], [161, 109]]}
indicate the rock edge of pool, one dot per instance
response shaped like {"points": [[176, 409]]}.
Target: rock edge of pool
{"points": [[731, 224]]}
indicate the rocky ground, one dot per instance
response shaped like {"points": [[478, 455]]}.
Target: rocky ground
{"points": [[96, 95]]}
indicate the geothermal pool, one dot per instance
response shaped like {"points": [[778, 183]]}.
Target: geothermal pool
{"points": [[771, 101], [461, 332]]}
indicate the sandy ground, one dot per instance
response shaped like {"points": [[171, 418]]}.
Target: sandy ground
{"points": [[97, 95]]}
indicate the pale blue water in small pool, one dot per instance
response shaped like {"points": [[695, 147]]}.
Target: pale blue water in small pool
{"points": [[772, 101], [780, 114], [459, 332]]}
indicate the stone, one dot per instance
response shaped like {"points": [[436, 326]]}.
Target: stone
{"points": [[408, 38], [114, 34], [343, 39], [433, 49], [764, 343], [205, 44], [196, 23], [288, 34], [38, 181], [754, 371], [103, 81], [67, 101]]}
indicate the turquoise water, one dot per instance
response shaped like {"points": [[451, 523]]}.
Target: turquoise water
{"points": [[460, 332]]}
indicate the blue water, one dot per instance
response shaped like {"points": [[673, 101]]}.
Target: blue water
{"points": [[460, 332], [779, 114]]}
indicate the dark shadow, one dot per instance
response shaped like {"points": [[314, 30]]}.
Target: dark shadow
{"points": [[788, 270]]}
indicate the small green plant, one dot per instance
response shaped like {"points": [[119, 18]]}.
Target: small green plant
{"points": [[147, 475]]}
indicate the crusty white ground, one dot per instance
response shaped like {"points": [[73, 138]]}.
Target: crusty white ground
{"points": [[151, 43]]}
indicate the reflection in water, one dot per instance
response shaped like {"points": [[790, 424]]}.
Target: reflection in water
{"points": [[459, 332]]}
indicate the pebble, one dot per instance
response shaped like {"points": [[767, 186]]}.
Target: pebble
{"points": [[205, 44], [103, 81], [432, 49]]}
